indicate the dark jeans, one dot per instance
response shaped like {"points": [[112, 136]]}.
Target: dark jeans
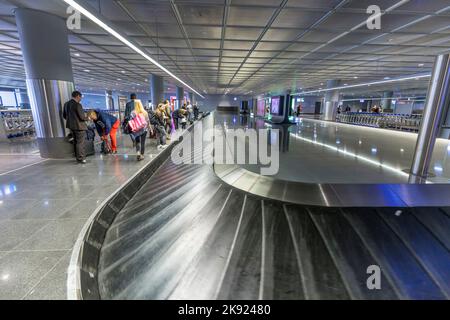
{"points": [[79, 144], [175, 121], [140, 143], [162, 135]]}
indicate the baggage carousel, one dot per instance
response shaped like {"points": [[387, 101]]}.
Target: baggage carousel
{"points": [[188, 233]]}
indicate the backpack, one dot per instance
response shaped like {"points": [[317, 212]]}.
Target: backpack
{"points": [[154, 121], [125, 127]]}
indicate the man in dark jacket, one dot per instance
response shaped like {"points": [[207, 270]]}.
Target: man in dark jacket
{"points": [[76, 121], [128, 110], [130, 106]]}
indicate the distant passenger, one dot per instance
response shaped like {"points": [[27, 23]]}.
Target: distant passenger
{"points": [[107, 125], [348, 109], [190, 110], [376, 109], [299, 110], [160, 126], [168, 114], [130, 106], [76, 121], [196, 111], [128, 110]]}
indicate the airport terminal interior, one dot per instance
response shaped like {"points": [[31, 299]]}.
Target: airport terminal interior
{"points": [[224, 150]]}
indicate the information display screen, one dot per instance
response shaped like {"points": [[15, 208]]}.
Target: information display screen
{"points": [[261, 108], [275, 107]]}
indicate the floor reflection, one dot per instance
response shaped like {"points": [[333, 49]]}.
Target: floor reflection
{"points": [[316, 151]]}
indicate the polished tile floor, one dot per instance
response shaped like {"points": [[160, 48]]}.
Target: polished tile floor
{"points": [[43, 207], [316, 151]]}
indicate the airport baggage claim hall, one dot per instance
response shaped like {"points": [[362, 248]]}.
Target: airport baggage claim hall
{"points": [[225, 150]]}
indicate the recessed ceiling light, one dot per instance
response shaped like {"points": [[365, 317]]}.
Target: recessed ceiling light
{"points": [[421, 64], [77, 54], [123, 71], [86, 70], [386, 78], [355, 77]]}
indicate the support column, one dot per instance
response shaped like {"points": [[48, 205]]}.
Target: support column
{"points": [[109, 100], [180, 97], [157, 89], [386, 102], [331, 101], [45, 48], [436, 109]]}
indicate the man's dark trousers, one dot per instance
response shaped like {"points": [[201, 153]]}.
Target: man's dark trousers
{"points": [[79, 144]]}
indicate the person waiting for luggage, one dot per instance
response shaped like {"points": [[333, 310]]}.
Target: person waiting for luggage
{"points": [[190, 110], [76, 122], [130, 105], [196, 111], [160, 126], [140, 135], [168, 115], [376, 109], [184, 118], [175, 118], [129, 108], [107, 125]]}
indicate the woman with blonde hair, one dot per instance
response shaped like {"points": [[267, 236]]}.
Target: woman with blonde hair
{"points": [[140, 135]]}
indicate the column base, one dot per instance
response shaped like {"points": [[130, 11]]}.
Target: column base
{"points": [[60, 148]]}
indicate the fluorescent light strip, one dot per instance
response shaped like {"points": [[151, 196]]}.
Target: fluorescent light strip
{"points": [[351, 154], [364, 84], [114, 33]]}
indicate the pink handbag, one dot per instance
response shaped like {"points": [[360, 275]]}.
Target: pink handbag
{"points": [[138, 123]]}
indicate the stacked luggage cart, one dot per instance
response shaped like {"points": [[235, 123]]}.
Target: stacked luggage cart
{"points": [[401, 122], [16, 124]]}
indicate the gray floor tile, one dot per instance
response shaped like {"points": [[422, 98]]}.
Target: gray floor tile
{"points": [[14, 232], [54, 285], [57, 235], [12, 207], [21, 271], [83, 208], [44, 209]]}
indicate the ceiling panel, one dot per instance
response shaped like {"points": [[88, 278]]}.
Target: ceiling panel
{"points": [[258, 45]]}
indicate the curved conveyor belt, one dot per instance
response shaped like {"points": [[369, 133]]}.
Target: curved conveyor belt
{"points": [[188, 235]]}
